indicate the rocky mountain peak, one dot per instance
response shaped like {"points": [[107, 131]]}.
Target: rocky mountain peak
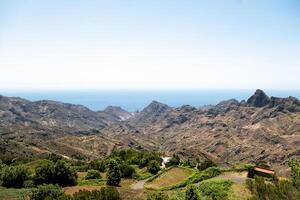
{"points": [[114, 108], [258, 99], [119, 113], [153, 112]]}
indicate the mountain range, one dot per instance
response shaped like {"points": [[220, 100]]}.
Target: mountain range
{"points": [[259, 129]]}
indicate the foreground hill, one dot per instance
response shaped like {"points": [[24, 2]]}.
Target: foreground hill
{"points": [[260, 129]]}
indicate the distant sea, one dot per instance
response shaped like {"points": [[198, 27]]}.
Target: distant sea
{"points": [[133, 100]]}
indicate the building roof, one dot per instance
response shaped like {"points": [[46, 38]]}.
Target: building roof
{"points": [[267, 171]]}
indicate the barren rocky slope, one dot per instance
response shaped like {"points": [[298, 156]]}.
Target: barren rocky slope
{"points": [[260, 129]]}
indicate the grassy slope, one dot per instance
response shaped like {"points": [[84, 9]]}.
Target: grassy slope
{"points": [[171, 177], [11, 193]]}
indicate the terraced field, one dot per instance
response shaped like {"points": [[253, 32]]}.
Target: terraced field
{"points": [[171, 177]]}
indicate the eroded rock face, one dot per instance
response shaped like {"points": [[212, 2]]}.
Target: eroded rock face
{"points": [[259, 99]]}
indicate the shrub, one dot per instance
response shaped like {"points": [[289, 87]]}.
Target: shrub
{"points": [[14, 176], [106, 193], [28, 184], [157, 196], [114, 173], [92, 174], [127, 171], [191, 193], [277, 190], [56, 173], [153, 167], [97, 165], [49, 192], [206, 174], [87, 195], [216, 189], [295, 172], [110, 193]]}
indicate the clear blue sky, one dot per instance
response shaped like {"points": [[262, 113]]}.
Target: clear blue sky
{"points": [[157, 44]]}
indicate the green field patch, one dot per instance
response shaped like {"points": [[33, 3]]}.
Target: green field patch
{"points": [[169, 178], [11, 193]]}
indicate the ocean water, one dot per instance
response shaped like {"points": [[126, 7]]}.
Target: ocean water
{"points": [[133, 100]]}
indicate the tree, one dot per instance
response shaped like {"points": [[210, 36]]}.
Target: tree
{"points": [[114, 173], [153, 167], [14, 176], [64, 175], [56, 173], [44, 173], [191, 193], [127, 171], [93, 174]]}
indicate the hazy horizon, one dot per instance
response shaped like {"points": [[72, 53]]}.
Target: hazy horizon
{"points": [[132, 100]]}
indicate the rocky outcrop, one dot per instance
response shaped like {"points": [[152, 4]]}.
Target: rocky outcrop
{"points": [[152, 113], [259, 99]]}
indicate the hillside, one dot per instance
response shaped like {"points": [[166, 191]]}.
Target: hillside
{"points": [[261, 128]]}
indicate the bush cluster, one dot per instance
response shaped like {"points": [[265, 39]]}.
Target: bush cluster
{"points": [[262, 189], [54, 192], [216, 189], [59, 173], [14, 176], [92, 174]]}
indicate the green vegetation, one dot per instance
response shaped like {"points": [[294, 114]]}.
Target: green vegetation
{"points": [[215, 189], [49, 192], [127, 171], [295, 172], [59, 173], [196, 177], [12, 193], [157, 196], [114, 173], [97, 165], [92, 174], [191, 193], [14, 176], [44, 179], [169, 177], [174, 161], [106, 193], [54, 192], [263, 189], [153, 167]]}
